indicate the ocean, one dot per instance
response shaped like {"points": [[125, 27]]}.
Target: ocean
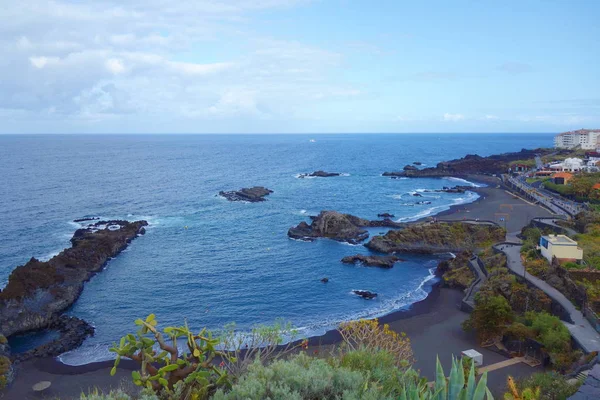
{"points": [[210, 261]]}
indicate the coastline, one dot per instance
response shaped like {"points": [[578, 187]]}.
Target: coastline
{"points": [[435, 308]]}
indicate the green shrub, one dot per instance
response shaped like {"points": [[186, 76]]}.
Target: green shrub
{"points": [[491, 316], [161, 372], [552, 386], [358, 376]]}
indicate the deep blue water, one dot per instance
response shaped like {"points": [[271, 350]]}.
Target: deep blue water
{"points": [[234, 262]]}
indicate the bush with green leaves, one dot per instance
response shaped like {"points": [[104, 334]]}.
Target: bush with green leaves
{"points": [[166, 369], [356, 375], [491, 316], [552, 385], [264, 342]]}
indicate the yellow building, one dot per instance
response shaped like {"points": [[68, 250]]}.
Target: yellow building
{"points": [[560, 246]]}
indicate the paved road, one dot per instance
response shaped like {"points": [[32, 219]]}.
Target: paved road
{"points": [[581, 330], [553, 202]]}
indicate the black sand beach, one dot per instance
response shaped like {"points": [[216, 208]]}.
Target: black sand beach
{"points": [[433, 325]]}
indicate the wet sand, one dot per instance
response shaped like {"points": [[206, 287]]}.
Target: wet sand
{"points": [[433, 324]]}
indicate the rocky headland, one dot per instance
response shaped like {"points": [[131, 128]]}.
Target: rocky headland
{"points": [[439, 237], [39, 291], [337, 226], [320, 174], [471, 164], [372, 260], [252, 195]]}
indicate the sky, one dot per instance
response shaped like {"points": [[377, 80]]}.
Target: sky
{"points": [[298, 66]]}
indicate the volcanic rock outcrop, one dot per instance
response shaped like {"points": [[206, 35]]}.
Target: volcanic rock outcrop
{"points": [[337, 226], [439, 237], [471, 164], [372, 260], [38, 291], [252, 195]]}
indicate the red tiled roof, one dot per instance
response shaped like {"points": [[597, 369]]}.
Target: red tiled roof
{"points": [[596, 186], [563, 175]]}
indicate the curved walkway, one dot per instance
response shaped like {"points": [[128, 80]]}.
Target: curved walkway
{"points": [[581, 330]]}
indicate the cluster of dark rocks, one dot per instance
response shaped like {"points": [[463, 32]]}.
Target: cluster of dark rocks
{"points": [[253, 195], [320, 174], [365, 294], [372, 260]]}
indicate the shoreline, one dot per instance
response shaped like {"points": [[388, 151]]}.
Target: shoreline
{"points": [[331, 336], [438, 311]]}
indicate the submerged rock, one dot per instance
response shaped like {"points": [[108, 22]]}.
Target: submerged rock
{"points": [[365, 294], [372, 260], [325, 280], [86, 219], [252, 195], [417, 163], [320, 174], [386, 215]]}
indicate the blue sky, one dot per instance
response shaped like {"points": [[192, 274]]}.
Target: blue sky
{"points": [[278, 66]]}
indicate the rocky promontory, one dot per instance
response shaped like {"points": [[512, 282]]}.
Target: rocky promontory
{"points": [[337, 226], [40, 290], [252, 195], [320, 174], [471, 164], [439, 237], [372, 260]]}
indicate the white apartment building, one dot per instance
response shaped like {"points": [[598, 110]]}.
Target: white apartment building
{"points": [[586, 139]]}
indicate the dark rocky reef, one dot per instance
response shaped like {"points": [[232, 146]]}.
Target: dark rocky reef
{"points": [[410, 168], [86, 219], [417, 163], [338, 226], [439, 237], [252, 195], [72, 332], [365, 294], [471, 164], [372, 260], [320, 174], [386, 215], [38, 291]]}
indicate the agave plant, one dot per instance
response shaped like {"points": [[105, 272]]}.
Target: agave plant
{"points": [[452, 388]]}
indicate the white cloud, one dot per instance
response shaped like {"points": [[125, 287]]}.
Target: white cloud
{"points": [[491, 117], [41, 62], [107, 60], [115, 66], [453, 117]]}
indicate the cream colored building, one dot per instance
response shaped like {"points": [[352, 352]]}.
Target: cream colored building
{"points": [[560, 246], [586, 139]]}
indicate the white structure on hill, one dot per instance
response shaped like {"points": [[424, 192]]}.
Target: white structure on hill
{"points": [[569, 165], [586, 139]]}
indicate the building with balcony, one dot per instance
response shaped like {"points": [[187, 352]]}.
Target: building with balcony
{"points": [[560, 246], [586, 139]]}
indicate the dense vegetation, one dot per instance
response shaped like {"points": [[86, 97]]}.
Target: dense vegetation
{"points": [[372, 362], [581, 186]]}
